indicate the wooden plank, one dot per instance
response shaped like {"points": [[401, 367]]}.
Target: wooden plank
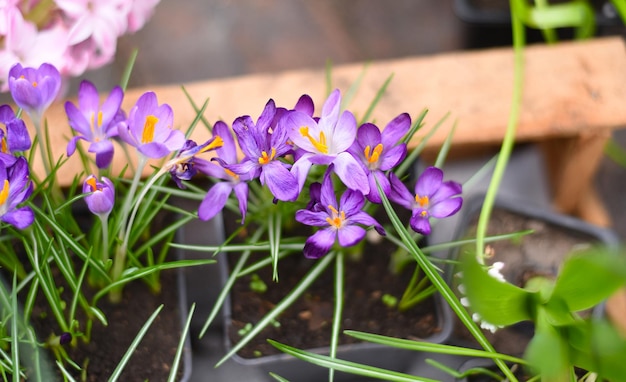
{"points": [[569, 88]]}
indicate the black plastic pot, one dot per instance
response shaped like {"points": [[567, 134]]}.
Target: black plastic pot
{"points": [[365, 353]]}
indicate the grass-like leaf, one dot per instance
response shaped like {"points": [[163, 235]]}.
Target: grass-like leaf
{"points": [[422, 346], [347, 366], [131, 349], [181, 345]]}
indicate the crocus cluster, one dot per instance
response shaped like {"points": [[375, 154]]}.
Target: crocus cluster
{"points": [[283, 145], [72, 35], [280, 149]]}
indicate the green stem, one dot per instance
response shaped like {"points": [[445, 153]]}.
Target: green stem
{"points": [[104, 218], [509, 137], [334, 339]]}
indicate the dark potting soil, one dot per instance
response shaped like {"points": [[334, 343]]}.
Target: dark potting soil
{"points": [[152, 359], [307, 323], [538, 254]]}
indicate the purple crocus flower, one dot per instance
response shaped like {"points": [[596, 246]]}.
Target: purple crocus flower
{"points": [[101, 196], [432, 198], [337, 222], [262, 147], [94, 123], [149, 128], [326, 141], [218, 194], [15, 188], [34, 89], [183, 166], [380, 152], [16, 137]]}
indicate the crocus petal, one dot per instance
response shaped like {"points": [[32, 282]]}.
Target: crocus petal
{"points": [[396, 130], [332, 105], [77, 120], [88, 98], [293, 122], [344, 133], [319, 243], [300, 170], [420, 224], [228, 151], [250, 141], [365, 219], [399, 193], [19, 218], [154, 150], [349, 235], [111, 105], [392, 157], [368, 134], [446, 207], [305, 105], [18, 138], [429, 181], [351, 202], [327, 191], [374, 195], [312, 218], [447, 190], [104, 158], [241, 191], [280, 181], [214, 201], [351, 173]]}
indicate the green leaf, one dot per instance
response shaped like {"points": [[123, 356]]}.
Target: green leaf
{"points": [[129, 352], [498, 303], [347, 366], [430, 347], [548, 351], [590, 277]]}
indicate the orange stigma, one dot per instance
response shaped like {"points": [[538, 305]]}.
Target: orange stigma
{"points": [[319, 144], [265, 159], [4, 193], [374, 155], [148, 129], [337, 218]]}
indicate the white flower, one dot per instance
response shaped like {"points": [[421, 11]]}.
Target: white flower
{"points": [[494, 271]]}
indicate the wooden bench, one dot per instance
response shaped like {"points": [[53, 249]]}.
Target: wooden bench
{"points": [[574, 96]]}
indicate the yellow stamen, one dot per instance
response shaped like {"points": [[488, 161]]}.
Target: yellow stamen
{"points": [[424, 213], [34, 84], [96, 123], [265, 159], [148, 129], [319, 144], [337, 219], [4, 147], [374, 155], [4, 193], [92, 183], [216, 144], [231, 174], [422, 200]]}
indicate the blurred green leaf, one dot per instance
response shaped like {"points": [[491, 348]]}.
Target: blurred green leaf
{"points": [[498, 303], [590, 277]]}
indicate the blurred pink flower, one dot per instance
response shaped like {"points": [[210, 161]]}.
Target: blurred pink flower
{"points": [[23, 44], [140, 12], [99, 22]]}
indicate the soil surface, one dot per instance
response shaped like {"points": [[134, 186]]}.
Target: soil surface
{"points": [[540, 253], [307, 323], [152, 359]]}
